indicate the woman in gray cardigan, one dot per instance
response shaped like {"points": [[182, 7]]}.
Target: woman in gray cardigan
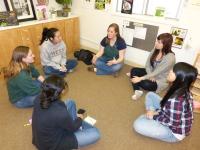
{"points": [[154, 76]]}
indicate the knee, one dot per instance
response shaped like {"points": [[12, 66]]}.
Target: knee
{"points": [[138, 125]]}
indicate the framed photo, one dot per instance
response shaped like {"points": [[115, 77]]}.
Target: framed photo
{"points": [[127, 6], [179, 35], [8, 18], [23, 8]]}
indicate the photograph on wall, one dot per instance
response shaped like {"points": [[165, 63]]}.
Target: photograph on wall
{"points": [[8, 18], [179, 35], [23, 8], [127, 6], [41, 11], [100, 4]]}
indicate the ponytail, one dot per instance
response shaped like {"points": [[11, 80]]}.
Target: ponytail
{"points": [[47, 34], [52, 88]]}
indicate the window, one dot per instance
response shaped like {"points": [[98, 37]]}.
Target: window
{"points": [[148, 7]]}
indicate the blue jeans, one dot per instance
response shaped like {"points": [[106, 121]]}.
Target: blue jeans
{"points": [[152, 128], [28, 101], [88, 134], [104, 69], [70, 64]]}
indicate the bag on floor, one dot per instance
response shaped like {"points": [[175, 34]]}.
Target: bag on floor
{"points": [[84, 55]]}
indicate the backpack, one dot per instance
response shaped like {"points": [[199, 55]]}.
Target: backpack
{"points": [[84, 55]]}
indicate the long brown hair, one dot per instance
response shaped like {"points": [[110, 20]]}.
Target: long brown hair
{"points": [[116, 28], [167, 41], [16, 64]]}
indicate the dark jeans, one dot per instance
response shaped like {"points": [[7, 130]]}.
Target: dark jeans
{"points": [[147, 85], [70, 64]]}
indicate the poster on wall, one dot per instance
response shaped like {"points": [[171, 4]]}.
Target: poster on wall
{"points": [[100, 4], [127, 6], [179, 35]]}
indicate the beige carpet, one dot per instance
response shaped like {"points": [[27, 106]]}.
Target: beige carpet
{"points": [[105, 98]]}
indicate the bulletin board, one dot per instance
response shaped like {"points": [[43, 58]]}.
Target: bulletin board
{"points": [[139, 35]]}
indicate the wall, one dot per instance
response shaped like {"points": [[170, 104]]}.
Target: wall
{"points": [[94, 23]]}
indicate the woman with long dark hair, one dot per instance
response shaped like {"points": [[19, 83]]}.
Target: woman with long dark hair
{"points": [[53, 53], [23, 79], [55, 124], [110, 57], [154, 76], [170, 119]]}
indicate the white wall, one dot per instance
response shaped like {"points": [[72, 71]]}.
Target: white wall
{"points": [[94, 23]]}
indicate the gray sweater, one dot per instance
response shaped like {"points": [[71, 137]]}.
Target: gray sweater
{"points": [[53, 55], [160, 72]]}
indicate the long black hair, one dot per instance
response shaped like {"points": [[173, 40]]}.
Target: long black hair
{"points": [[167, 41], [51, 90], [47, 34], [186, 74]]}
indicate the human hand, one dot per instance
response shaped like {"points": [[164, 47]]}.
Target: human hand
{"points": [[63, 68], [152, 79], [136, 79], [41, 78], [112, 62], [80, 116], [150, 114]]}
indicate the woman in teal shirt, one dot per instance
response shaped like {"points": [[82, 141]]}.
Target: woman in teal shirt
{"points": [[109, 59], [24, 80]]}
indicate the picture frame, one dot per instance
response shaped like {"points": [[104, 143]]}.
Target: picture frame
{"points": [[24, 9], [127, 6], [179, 35], [8, 18]]}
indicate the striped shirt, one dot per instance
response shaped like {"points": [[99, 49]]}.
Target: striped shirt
{"points": [[177, 115]]}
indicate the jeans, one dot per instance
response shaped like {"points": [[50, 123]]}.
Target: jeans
{"points": [[28, 101], [104, 69], [70, 64], [88, 134], [144, 84], [152, 128]]}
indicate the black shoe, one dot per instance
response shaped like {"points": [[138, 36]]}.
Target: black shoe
{"points": [[91, 68]]}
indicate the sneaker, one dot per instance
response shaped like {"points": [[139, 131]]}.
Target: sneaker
{"points": [[71, 70], [137, 95], [92, 69]]}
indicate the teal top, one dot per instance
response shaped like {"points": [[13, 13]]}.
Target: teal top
{"points": [[22, 84], [111, 52]]}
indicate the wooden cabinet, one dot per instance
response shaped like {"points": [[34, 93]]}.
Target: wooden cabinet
{"points": [[72, 34], [30, 35], [9, 40], [196, 86]]}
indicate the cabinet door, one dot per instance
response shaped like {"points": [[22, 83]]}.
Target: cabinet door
{"points": [[10, 39], [31, 36], [72, 34], [36, 33], [60, 25]]}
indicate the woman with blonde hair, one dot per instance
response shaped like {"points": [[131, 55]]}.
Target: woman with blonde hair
{"points": [[110, 57], [23, 80]]}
